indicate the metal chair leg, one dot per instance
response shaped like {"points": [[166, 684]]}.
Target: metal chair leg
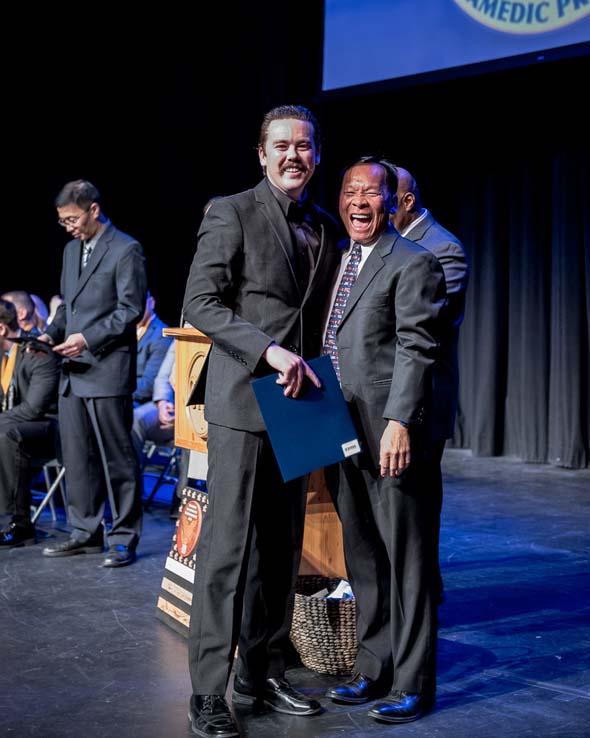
{"points": [[48, 499]]}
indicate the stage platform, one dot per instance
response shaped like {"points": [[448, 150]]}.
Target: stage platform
{"points": [[82, 654]]}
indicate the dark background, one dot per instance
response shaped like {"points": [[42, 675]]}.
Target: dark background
{"points": [[160, 123]]}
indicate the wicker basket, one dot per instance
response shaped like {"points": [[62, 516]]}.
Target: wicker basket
{"points": [[324, 631]]}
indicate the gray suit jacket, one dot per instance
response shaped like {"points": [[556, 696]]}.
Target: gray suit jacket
{"points": [[243, 293], [103, 302], [388, 338], [451, 255]]}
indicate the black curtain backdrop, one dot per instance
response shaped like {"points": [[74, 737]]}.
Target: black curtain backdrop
{"points": [[160, 124]]}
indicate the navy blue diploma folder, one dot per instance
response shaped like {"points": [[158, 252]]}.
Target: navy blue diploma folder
{"points": [[314, 429]]}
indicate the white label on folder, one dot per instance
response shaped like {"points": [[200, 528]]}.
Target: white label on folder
{"points": [[351, 448]]}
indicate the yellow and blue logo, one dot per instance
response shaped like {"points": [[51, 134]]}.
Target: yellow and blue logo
{"points": [[526, 16]]}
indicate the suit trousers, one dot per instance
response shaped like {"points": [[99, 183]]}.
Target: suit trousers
{"points": [[22, 443], [390, 544], [101, 464], [247, 560]]}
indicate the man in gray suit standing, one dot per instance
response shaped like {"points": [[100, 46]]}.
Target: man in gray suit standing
{"points": [[103, 283], [257, 286], [417, 224], [384, 339]]}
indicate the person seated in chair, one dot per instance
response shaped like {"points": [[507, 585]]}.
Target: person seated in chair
{"points": [[25, 310], [151, 350], [154, 420], [28, 397]]}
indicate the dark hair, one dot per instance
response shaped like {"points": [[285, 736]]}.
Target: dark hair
{"points": [[283, 112], [390, 170], [8, 315], [80, 192], [21, 300]]}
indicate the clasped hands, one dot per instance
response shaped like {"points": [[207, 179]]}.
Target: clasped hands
{"points": [[71, 348]]}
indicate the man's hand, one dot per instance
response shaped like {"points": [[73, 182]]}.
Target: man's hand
{"points": [[394, 455], [292, 369], [46, 338], [166, 414], [72, 347]]}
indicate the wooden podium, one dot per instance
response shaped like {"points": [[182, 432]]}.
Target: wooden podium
{"points": [[322, 542]]}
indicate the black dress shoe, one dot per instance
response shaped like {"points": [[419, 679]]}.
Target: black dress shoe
{"points": [[119, 556], [277, 694], [210, 717], [72, 547], [17, 534], [357, 691], [401, 707]]}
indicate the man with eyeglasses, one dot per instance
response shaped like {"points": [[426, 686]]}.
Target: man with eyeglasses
{"points": [[103, 284]]}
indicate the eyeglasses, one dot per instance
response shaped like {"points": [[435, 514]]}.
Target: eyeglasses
{"points": [[71, 220]]}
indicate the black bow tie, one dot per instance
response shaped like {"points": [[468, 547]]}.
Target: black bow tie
{"points": [[300, 212]]}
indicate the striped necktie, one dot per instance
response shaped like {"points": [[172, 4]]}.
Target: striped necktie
{"points": [[86, 253], [346, 282]]}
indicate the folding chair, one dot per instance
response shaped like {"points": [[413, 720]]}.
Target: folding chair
{"points": [[168, 473]]}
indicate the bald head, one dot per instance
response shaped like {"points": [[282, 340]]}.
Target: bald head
{"points": [[408, 205]]}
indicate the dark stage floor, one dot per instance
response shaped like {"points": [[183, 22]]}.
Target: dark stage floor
{"points": [[83, 656]]}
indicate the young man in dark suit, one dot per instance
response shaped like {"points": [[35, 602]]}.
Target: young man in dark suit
{"points": [[257, 286], [384, 344], [28, 406], [103, 284]]}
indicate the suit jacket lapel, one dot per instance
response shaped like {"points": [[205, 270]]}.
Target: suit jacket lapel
{"points": [[95, 258], [370, 268], [278, 222], [319, 263], [418, 232]]}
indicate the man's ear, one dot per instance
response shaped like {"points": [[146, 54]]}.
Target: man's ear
{"points": [[408, 200]]}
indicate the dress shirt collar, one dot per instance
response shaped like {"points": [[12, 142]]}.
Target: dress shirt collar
{"points": [[94, 240], [284, 200], [419, 219]]}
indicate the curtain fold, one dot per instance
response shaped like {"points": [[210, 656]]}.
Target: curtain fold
{"points": [[524, 346]]}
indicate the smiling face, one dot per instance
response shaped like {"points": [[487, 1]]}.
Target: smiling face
{"points": [[289, 155], [365, 201]]}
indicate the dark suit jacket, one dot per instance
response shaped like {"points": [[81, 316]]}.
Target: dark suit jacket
{"points": [[32, 394], [243, 293], [151, 350], [451, 255], [388, 338], [103, 302]]}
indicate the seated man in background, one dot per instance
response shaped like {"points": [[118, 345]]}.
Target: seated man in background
{"points": [[151, 350], [25, 310], [54, 303], [154, 420], [41, 313], [28, 397]]}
